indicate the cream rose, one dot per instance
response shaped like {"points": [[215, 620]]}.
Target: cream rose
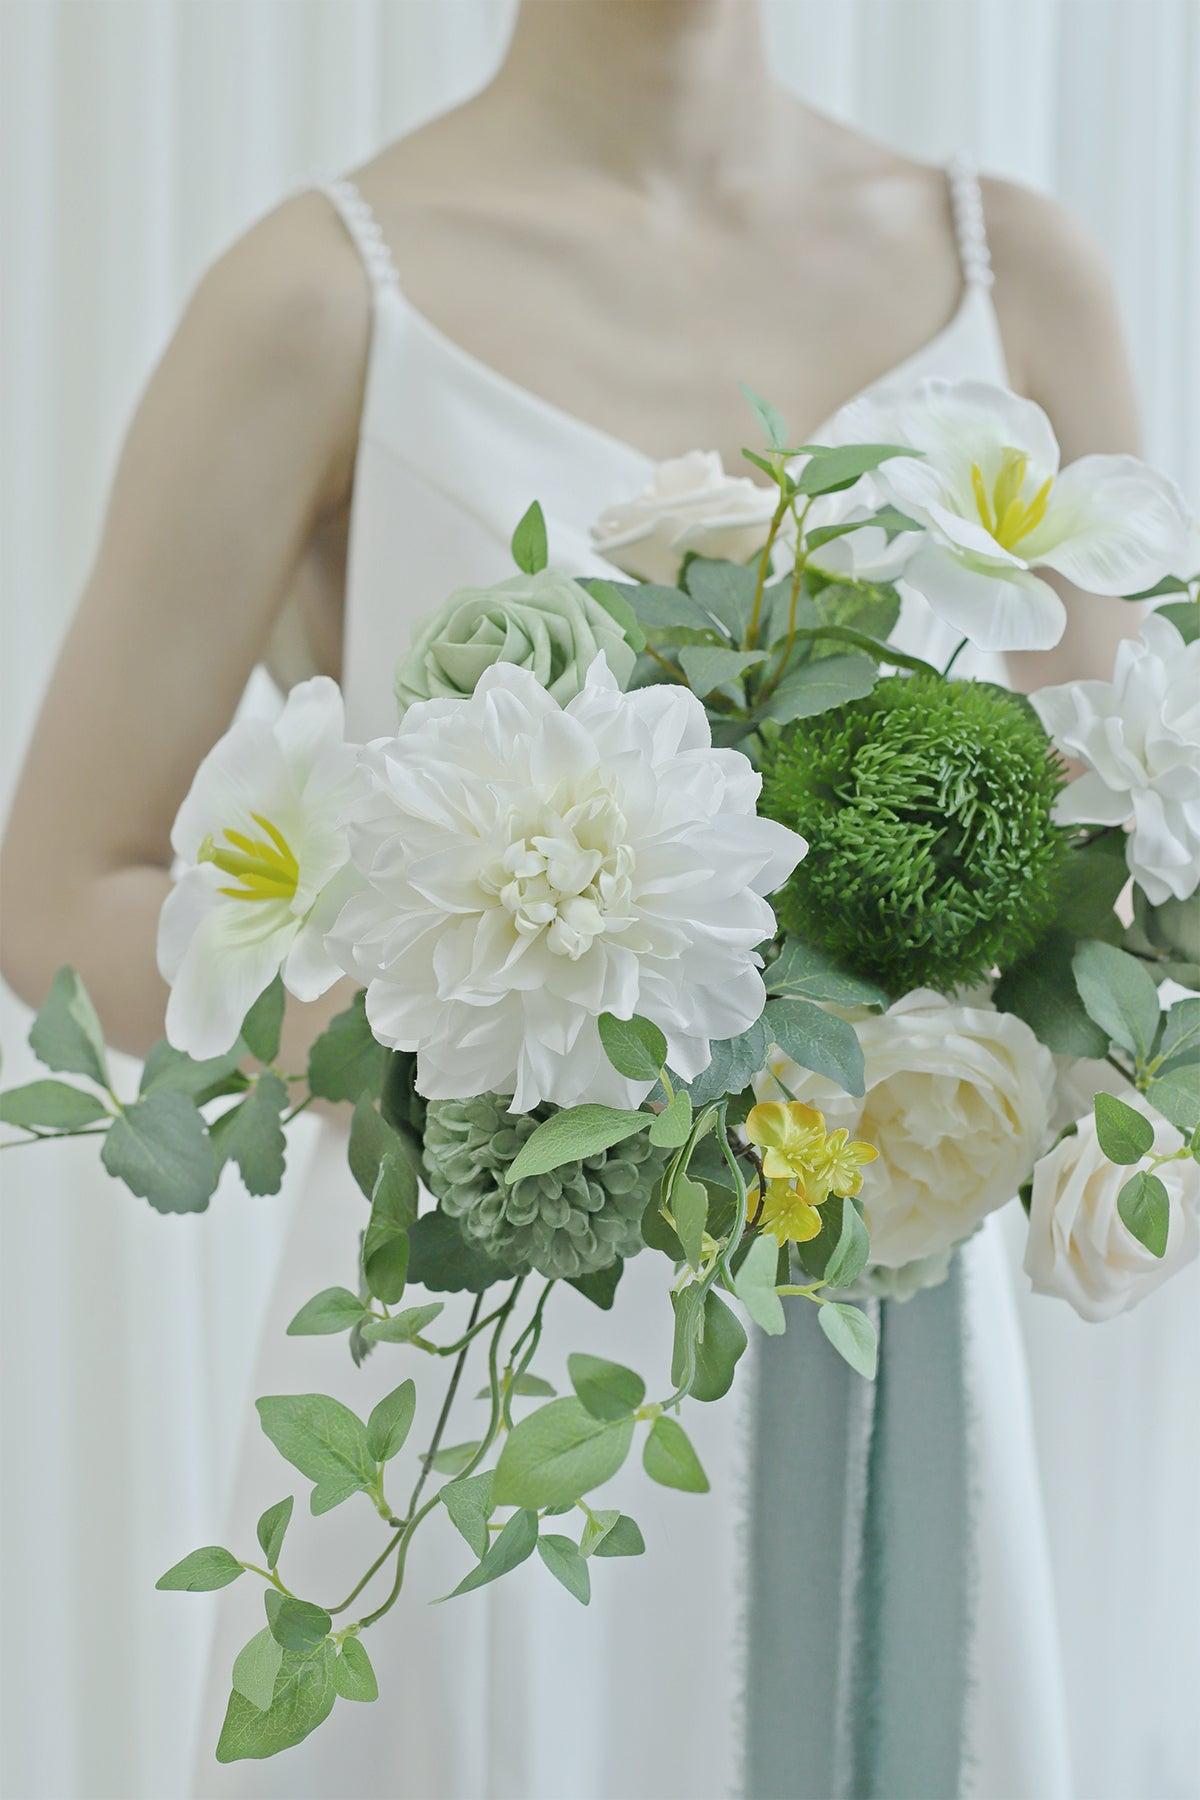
{"points": [[1079, 1249], [545, 623], [957, 1103], [691, 504]]}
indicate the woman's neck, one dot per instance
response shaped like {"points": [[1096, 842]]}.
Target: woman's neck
{"points": [[654, 91]]}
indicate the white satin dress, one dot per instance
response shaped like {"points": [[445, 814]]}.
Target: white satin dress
{"points": [[517, 1692]]}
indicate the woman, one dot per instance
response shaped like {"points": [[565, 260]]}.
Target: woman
{"points": [[591, 254]]}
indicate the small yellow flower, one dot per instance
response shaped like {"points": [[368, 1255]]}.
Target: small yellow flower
{"points": [[842, 1159], [787, 1215], [790, 1136]]}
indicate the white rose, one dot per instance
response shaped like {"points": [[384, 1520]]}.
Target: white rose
{"points": [[1079, 1249], [691, 504], [957, 1104], [1139, 734]]}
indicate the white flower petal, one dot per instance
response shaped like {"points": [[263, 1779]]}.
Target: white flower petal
{"points": [[994, 609], [233, 954], [1114, 526]]}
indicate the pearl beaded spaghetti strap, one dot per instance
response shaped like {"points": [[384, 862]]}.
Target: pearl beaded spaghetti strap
{"points": [[364, 229], [970, 229]]}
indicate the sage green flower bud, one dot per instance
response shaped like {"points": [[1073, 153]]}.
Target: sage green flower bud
{"points": [[569, 1221], [545, 623]]}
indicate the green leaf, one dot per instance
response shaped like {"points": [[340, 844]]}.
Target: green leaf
{"points": [[1145, 1209], [707, 668], [167, 1068], [390, 1422], [511, 1547], [1184, 615], [596, 1529], [733, 1064], [251, 1135], [304, 1695], [688, 1201], [665, 608], [66, 1034], [1176, 1095], [600, 1287], [1180, 1041], [801, 972], [385, 1250], [852, 1335], [565, 1563], [1124, 1134], [830, 469], [319, 1436], [263, 1023], [371, 1139], [296, 1624], [669, 1459], [852, 1250], [353, 1676], [559, 1453], [454, 1458], [673, 1125], [870, 607], [623, 1539], [271, 1528], [719, 1346], [256, 1667], [755, 1282], [160, 1149], [607, 1389], [817, 1040], [345, 1061], [202, 1571], [441, 1259], [815, 687], [333, 1491], [612, 599], [635, 1047], [50, 1106], [1118, 994], [402, 1327], [1041, 990], [532, 1386], [572, 1134], [529, 547], [1092, 878], [333, 1309], [768, 416], [469, 1504], [725, 589]]}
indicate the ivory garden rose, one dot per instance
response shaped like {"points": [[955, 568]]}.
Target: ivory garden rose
{"points": [[690, 504]]}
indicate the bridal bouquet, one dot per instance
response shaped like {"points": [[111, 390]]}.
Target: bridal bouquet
{"points": [[691, 915]]}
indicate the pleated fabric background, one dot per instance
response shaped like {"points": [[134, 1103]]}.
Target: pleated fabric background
{"points": [[138, 137]]}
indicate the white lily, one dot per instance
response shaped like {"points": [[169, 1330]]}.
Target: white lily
{"points": [[265, 853], [988, 489]]}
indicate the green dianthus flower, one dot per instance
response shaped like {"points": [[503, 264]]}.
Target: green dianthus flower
{"points": [[568, 1222], [933, 853]]}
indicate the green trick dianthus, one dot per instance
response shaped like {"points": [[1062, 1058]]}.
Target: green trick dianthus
{"points": [[933, 856]]}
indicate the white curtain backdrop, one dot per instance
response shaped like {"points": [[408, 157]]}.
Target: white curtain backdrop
{"points": [[139, 136]]}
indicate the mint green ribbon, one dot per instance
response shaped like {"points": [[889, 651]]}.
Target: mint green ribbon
{"points": [[861, 1561]]}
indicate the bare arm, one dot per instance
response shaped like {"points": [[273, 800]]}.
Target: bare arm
{"points": [[1063, 340], [242, 445]]}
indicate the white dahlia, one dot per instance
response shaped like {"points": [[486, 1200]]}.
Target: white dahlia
{"points": [[528, 866]]}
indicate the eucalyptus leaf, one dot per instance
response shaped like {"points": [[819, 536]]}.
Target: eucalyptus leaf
{"points": [[1124, 1134], [390, 1422], [346, 1061], [600, 1287], [319, 1436], [271, 1529], [201, 1571], [669, 1459], [596, 1528], [385, 1250], [607, 1389], [1145, 1210], [733, 1064], [66, 1033], [614, 602], [1118, 994], [802, 972], [353, 1675], [852, 1250], [297, 1624], [828, 470], [1180, 1040], [725, 589], [768, 416], [1042, 991], [673, 1125], [256, 1667], [160, 1149], [707, 669], [852, 1335], [304, 1695], [1176, 1095], [755, 1283], [565, 1563], [718, 1348], [50, 1106], [333, 1309], [441, 1259], [402, 1327], [202, 1081], [688, 1201], [622, 1539], [817, 1040], [469, 1504], [511, 1547], [251, 1135], [559, 1453], [635, 1047], [816, 687], [572, 1134], [661, 608]]}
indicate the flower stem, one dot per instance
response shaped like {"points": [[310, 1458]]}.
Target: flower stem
{"points": [[764, 565]]}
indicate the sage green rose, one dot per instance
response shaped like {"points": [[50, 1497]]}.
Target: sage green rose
{"points": [[545, 623]]}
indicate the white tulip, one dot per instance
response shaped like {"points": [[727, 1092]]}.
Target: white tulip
{"points": [[528, 866], [1079, 1249], [263, 845], [690, 504], [988, 489], [1140, 735], [957, 1104]]}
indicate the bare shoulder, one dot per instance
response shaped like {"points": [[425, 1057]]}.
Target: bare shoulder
{"points": [[1054, 291]]}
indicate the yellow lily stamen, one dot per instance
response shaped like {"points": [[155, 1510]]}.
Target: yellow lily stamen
{"points": [[266, 867], [1004, 513]]}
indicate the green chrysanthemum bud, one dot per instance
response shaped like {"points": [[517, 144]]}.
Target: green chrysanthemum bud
{"points": [[928, 807], [568, 1222]]}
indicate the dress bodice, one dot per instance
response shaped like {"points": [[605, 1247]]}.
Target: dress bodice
{"points": [[451, 453]]}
